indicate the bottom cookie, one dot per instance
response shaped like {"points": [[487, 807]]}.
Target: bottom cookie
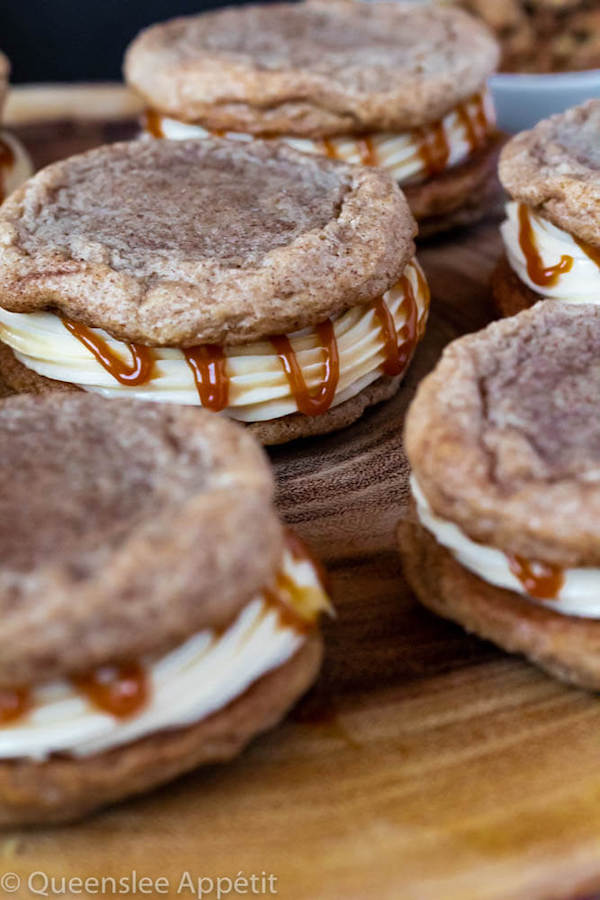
{"points": [[66, 788], [21, 380], [565, 646], [510, 295]]}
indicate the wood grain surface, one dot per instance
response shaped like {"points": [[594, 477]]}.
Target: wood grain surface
{"points": [[425, 764]]}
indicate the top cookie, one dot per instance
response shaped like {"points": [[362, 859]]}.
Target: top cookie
{"points": [[555, 168], [177, 243], [504, 438], [313, 69], [124, 528]]}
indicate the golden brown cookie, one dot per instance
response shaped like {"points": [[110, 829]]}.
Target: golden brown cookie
{"points": [[554, 169], [311, 69], [154, 613], [249, 278]]}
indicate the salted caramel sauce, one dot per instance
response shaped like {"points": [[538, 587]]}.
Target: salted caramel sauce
{"points": [[153, 123], [318, 403], [209, 368], [398, 352], [298, 606], [120, 690], [475, 126], [140, 370], [7, 161], [368, 154], [327, 147], [590, 250], [433, 148], [14, 703], [543, 276], [540, 580]]}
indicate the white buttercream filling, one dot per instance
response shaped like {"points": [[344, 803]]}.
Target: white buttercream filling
{"points": [[580, 591], [581, 284], [194, 680], [18, 170], [400, 154], [258, 387]]}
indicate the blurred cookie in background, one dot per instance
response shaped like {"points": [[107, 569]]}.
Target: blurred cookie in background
{"points": [[542, 35]]}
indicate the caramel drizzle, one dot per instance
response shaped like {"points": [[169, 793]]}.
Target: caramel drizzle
{"points": [[328, 148], [119, 690], [368, 153], [589, 249], [139, 372], [398, 352], [475, 124], [7, 159], [540, 275], [284, 586], [14, 703], [540, 580], [433, 148], [153, 123], [209, 368], [307, 403]]}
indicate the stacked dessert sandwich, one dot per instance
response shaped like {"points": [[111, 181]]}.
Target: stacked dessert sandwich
{"points": [[15, 165], [383, 84], [248, 278], [504, 442], [155, 614], [552, 230]]}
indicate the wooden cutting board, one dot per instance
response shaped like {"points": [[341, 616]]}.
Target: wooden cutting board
{"points": [[425, 764]]}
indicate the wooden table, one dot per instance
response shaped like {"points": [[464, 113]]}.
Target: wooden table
{"points": [[425, 764]]}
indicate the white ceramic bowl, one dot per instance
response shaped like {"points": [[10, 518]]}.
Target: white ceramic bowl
{"points": [[522, 100]]}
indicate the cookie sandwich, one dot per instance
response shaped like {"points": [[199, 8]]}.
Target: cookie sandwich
{"points": [[551, 234], [279, 288], [156, 615], [504, 442], [15, 164], [387, 84]]}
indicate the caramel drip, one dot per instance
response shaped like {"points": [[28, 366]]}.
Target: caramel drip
{"points": [[209, 368], [589, 249], [307, 403], [398, 352], [153, 123], [544, 277], [475, 124], [119, 690], [299, 551], [433, 148], [327, 147], [368, 153], [425, 293], [14, 703], [480, 116], [142, 359], [284, 586], [7, 159], [540, 580]]}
